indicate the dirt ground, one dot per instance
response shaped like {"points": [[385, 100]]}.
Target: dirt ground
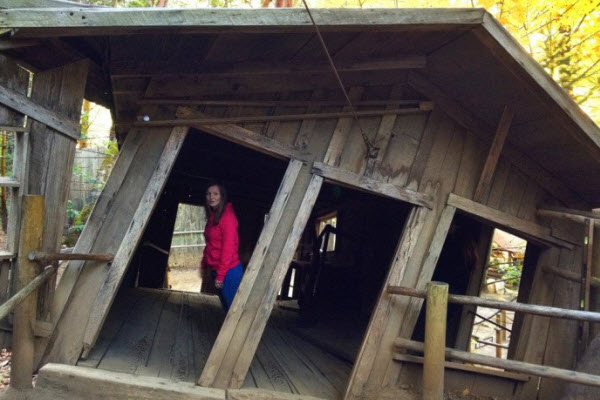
{"points": [[185, 279]]}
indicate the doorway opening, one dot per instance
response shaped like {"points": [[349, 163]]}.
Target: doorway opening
{"points": [[329, 292], [492, 329], [172, 245]]}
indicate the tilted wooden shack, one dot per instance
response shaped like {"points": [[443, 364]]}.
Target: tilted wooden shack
{"points": [[455, 129]]}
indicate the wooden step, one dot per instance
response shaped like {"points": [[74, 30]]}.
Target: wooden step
{"points": [[71, 382]]}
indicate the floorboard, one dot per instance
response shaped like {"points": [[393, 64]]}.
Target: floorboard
{"points": [[169, 335]]}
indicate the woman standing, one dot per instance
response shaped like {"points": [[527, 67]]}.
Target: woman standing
{"points": [[222, 242]]}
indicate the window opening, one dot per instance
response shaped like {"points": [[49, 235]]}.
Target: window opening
{"points": [[187, 246], [491, 333]]}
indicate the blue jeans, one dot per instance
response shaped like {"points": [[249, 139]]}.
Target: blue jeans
{"points": [[230, 285]]}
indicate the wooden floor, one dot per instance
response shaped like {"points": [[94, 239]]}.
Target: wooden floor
{"points": [[169, 334]]}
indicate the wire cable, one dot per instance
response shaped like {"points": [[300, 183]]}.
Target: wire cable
{"points": [[372, 150]]}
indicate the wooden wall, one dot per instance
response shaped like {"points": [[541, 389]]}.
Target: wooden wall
{"points": [[16, 78], [432, 153], [425, 151]]}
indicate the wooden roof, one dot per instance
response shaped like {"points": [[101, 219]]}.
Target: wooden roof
{"points": [[463, 56]]}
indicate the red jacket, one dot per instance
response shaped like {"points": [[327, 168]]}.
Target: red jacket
{"points": [[222, 242]]}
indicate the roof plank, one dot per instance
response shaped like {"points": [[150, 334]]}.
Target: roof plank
{"points": [[93, 21]]}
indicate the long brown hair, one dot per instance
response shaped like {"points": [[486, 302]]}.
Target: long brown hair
{"points": [[218, 212]]}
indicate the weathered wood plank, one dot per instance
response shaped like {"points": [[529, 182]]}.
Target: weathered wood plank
{"points": [[95, 222], [439, 174], [268, 299], [308, 125], [383, 135], [107, 293], [218, 353], [40, 113], [50, 158], [64, 381], [114, 218], [260, 394], [561, 348], [25, 313], [7, 181], [40, 4], [371, 185], [509, 52], [248, 138], [139, 69], [186, 117], [90, 21], [494, 154], [406, 137], [131, 348], [471, 163], [528, 229], [375, 332], [341, 132], [469, 121]]}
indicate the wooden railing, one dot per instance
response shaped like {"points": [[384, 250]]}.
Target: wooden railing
{"points": [[437, 299], [28, 279]]}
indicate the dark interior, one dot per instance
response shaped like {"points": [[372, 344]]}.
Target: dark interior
{"points": [[251, 178]]}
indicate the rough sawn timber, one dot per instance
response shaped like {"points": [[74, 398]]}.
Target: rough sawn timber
{"points": [[107, 293], [114, 219]]}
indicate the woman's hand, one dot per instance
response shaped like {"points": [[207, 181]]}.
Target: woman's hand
{"points": [[219, 284]]}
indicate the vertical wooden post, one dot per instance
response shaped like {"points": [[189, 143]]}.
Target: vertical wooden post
{"points": [[435, 340], [587, 280], [30, 239], [498, 341]]}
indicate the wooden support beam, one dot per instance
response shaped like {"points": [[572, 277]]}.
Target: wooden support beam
{"points": [[74, 382], [534, 309], [281, 267], [530, 230], [493, 157], [466, 367], [26, 106], [338, 175], [220, 70], [8, 181], [41, 4], [7, 307], [483, 130], [108, 291], [248, 138], [47, 258], [218, 370], [435, 340], [59, 89], [93, 21], [92, 230], [571, 276], [13, 128], [17, 44], [423, 105], [568, 214], [586, 284], [265, 118], [509, 365], [26, 312]]}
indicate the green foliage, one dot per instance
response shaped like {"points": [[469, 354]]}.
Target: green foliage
{"points": [[511, 272], [72, 213]]}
